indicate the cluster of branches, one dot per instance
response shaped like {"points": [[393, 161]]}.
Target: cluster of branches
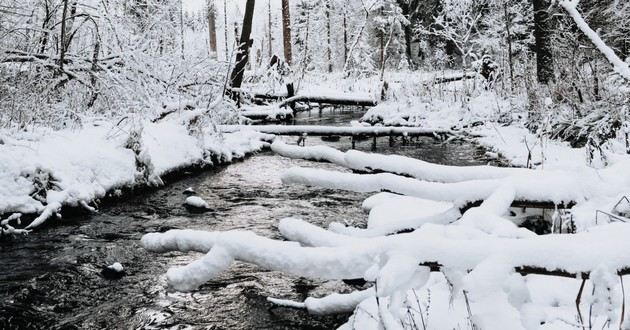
{"points": [[63, 59]]}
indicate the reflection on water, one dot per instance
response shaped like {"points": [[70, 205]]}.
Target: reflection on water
{"points": [[51, 278]]}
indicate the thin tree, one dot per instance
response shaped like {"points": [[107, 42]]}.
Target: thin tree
{"points": [[269, 32], [329, 42], [212, 29], [286, 31], [225, 30]]}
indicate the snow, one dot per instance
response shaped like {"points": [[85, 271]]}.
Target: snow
{"points": [[317, 153], [335, 130], [196, 201], [77, 167], [618, 64], [391, 213], [269, 112], [116, 267]]}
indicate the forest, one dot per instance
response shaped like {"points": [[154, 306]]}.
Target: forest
{"points": [[314, 164]]}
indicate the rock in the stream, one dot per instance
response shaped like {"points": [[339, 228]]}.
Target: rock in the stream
{"points": [[114, 271], [189, 191], [196, 203]]}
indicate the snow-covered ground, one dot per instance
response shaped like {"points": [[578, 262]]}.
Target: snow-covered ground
{"points": [[43, 170]]}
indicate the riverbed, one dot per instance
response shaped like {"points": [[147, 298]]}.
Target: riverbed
{"points": [[51, 279]]}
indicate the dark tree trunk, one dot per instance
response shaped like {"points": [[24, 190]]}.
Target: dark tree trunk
{"points": [[406, 8], [212, 29], [286, 31], [236, 78], [329, 42], [542, 33]]}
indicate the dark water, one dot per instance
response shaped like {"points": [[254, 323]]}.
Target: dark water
{"points": [[51, 279]]}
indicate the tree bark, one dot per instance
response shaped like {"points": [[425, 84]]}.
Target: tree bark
{"points": [[236, 78], [286, 31], [345, 32], [225, 30], [212, 29], [508, 22], [329, 49], [542, 33], [270, 32], [406, 8]]}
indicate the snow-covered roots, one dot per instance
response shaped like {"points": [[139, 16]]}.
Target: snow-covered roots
{"points": [[470, 270]]}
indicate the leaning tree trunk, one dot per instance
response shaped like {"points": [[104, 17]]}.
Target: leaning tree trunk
{"points": [[236, 78], [542, 33], [286, 31]]}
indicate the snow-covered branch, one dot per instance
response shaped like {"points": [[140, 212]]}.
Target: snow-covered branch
{"points": [[621, 67]]}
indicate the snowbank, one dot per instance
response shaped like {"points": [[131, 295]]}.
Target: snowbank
{"points": [[41, 172]]}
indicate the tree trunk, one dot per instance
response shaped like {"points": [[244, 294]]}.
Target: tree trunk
{"points": [[508, 22], [405, 7], [542, 33], [345, 32], [225, 30], [212, 29], [329, 49], [63, 35], [236, 78], [181, 27], [270, 32], [286, 31]]}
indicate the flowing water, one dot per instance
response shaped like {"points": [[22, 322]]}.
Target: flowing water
{"points": [[51, 279]]}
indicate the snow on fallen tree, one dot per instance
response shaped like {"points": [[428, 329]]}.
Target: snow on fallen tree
{"points": [[618, 64], [401, 165], [316, 153], [311, 130], [391, 213], [436, 246], [567, 189], [268, 113]]}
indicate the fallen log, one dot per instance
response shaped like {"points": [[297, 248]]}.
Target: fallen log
{"points": [[444, 80], [310, 130]]}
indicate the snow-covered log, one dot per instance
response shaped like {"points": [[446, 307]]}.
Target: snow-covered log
{"points": [[268, 113], [422, 170], [331, 304], [567, 189], [401, 165], [341, 99], [315, 153], [434, 246], [300, 130]]}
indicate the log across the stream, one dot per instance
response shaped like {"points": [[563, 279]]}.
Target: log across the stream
{"points": [[310, 130]]}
